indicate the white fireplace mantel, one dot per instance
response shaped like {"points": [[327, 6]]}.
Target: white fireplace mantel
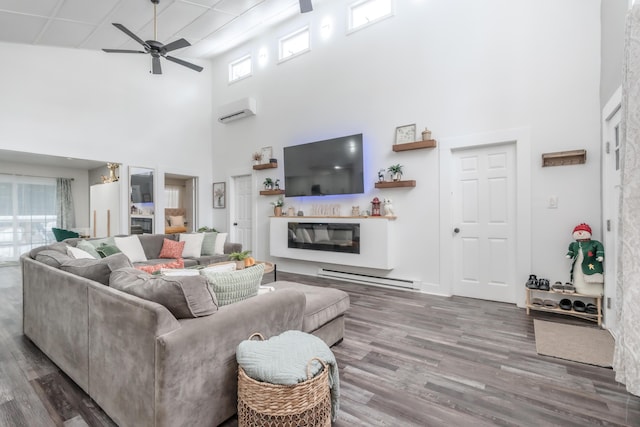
{"points": [[376, 242]]}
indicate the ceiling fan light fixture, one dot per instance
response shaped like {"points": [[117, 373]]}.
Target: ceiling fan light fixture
{"points": [[154, 47]]}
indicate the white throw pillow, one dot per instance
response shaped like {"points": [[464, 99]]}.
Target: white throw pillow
{"points": [[192, 245], [79, 253], [220, 239], [131, 247], [176, 221]]}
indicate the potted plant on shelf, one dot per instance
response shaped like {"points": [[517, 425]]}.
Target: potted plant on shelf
{"points": [[268, 184], [242, 259], [206, 229], [277, 206], [396, 172], [257, 158]]}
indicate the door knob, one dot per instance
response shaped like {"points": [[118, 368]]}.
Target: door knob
{"points": [[456, 230], [235, 224]]}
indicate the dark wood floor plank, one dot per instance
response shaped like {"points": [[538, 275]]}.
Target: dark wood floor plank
{"points": [[408, 359]]}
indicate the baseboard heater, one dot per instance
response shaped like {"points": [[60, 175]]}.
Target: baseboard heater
{"points": [[368, 279]]}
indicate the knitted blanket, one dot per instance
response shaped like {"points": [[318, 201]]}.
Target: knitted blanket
{"points": [[283, 360]]}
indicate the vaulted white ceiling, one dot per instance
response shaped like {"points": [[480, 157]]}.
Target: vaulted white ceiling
{"points": [[211, 26]]}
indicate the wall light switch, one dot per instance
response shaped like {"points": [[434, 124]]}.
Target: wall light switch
{"points": [[553, 202]]}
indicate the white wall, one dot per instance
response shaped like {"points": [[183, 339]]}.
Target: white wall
{"points": [[108, 107], [460, 68]]}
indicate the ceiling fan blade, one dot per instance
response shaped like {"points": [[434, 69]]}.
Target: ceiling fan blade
{"points": [[185, 63], [155, 65], [178, 44], [305, 6], [123, 51], [130, 34]]}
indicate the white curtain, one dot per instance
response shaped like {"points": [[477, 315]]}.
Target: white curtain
{"points": [[173, 194], [626, 361], [65, 208]]}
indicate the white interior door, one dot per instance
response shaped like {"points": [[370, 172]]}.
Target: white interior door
{"points": [[611, 191], [241, 220], [484, 218]]}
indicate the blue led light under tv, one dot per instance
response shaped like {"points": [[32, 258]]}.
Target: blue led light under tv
{"points": [[322, 168]]}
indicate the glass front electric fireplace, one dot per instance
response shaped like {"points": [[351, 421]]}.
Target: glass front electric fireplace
{"points": [[322, 236]]}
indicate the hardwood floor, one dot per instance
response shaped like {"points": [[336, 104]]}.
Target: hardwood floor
{"points": [[407, 359]]}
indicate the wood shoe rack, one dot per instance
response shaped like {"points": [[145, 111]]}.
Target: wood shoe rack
{"points": [[552, 295]]}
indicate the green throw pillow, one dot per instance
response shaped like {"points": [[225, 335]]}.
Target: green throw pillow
{"points": [[89, 248], [106, 250], [234, 286], [209, 243]]}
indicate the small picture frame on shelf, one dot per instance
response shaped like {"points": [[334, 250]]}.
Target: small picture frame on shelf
{"points": [[219, 195], [406, 133], [267, 154]]}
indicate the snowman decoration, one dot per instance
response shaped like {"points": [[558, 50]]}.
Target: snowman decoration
{"points": [[388, 207], [586, 268]]}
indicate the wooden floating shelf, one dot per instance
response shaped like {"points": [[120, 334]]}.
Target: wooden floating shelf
{"points": [[265, 166], [563, 158], [271, 192], [394, 184], [429, 143]]}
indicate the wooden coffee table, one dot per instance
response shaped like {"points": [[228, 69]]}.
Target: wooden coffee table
{"points": [[269, 267]]}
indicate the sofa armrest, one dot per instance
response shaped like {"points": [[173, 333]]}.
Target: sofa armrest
{"points": [[196, 367], [232, 247]]}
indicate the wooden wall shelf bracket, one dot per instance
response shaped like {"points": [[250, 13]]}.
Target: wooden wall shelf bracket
{"points": [[395, 184], [564, 158]]}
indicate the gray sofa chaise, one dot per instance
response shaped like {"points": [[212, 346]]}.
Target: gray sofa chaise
{"points": [[137, 361]]}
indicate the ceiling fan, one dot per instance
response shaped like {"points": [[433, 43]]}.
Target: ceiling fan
{"points": [[155, 48]]}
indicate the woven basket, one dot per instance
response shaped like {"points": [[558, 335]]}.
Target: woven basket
{"points": [[269, 405]]}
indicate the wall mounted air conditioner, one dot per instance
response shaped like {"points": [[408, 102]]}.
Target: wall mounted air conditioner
{"points": [[236, 110]]}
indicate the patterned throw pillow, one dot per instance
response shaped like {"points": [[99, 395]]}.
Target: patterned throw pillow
{"points": [[152, 268], [234, 286], [171, 249]]}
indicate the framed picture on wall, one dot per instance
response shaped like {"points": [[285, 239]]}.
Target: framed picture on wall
{"points": [[219, 195], [267, 154], [406, 133]]}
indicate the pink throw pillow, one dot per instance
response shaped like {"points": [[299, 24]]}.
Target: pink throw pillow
{"points": [[172, 249], [151, 268]]}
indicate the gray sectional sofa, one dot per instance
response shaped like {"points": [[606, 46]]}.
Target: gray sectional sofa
{"points": [[141, 364]]}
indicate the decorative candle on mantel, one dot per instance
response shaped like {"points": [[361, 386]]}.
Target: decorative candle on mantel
{"points": [[426, 134]]}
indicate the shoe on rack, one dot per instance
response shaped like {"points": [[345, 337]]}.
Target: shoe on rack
{"points": [[549, 303], [591, 309], [532, 283], [537, 302], [543, 284], [565, 304], [568, 288], [579, 306], [557, 287]]}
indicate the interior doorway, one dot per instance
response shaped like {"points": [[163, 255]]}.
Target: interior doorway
{"points": [[180, 199], [241, 211], [485, 207], [611, 193]]}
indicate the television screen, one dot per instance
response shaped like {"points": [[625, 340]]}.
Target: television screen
{"points": [[321, 168]]}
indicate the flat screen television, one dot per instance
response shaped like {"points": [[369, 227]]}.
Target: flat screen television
{"points": [[322, 168]]}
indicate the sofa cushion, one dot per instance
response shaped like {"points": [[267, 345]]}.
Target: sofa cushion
{"points": [[183, 296], [131, 247], [193, 244], [86, 246], [209, 243], [171, 249], [234, 286], [323, 304], [58, 247], [103, 241], [96, 269], [152, 244], [52, 257]]}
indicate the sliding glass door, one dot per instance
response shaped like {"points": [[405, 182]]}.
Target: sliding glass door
{"points": [[27, 213]]}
